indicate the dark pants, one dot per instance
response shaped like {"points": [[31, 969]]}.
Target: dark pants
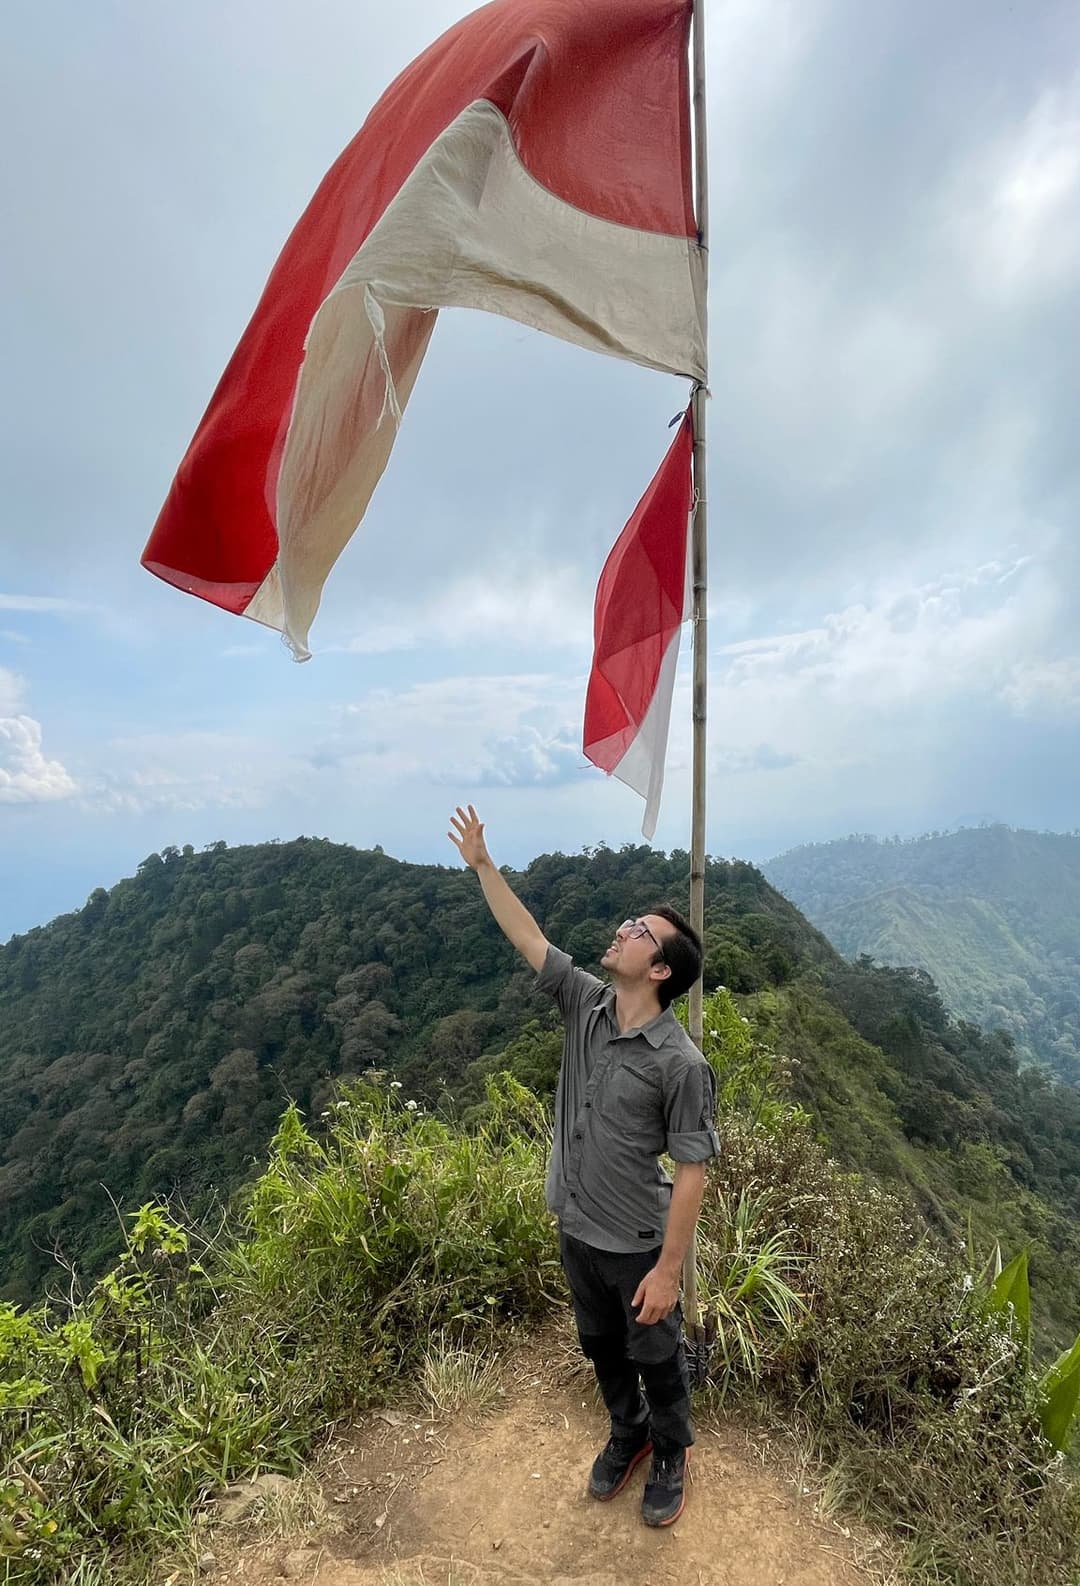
{"points": [[625, 1355]]}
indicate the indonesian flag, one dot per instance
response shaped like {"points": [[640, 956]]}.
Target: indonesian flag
{"points": [[642, 600], [534, 162]]}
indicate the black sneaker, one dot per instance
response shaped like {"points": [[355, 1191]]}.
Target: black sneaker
{"points": [[615, 1464], [664, 1498]]}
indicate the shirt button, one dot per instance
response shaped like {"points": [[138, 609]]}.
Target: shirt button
{"points": [[577, 1137], [573, 1195], [588, 1104]]}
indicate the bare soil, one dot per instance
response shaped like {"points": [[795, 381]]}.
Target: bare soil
{"points": [[501, 1500]]}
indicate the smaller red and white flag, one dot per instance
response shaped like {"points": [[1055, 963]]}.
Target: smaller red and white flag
{"points": [[642, 600]]}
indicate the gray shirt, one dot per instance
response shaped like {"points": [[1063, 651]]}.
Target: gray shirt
{"points": [[623, 1098]]}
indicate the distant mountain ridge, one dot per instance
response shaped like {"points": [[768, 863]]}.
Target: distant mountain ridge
{"points": [[991, 913]]}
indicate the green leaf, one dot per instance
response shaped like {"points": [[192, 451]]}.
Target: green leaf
{"points": [[1060, 1396], [1010, 1289], [991, 1267]]}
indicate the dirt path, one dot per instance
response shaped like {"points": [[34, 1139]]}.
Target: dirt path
{"points": [[501, 1501]]}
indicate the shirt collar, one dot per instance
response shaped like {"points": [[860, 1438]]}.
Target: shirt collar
{"points": [[656, 1032]]}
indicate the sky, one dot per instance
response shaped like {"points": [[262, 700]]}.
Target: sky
{"points": [[894, 470]]}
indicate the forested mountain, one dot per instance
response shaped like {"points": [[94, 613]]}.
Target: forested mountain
{"points": [[149, 1042], [991, 913]]}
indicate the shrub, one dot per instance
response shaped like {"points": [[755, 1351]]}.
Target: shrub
{"points": [[178, 1375], [893, 1367], [353, 1252]]}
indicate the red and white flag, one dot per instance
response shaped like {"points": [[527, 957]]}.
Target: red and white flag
{"points": [[642, 600], [534, 162]]}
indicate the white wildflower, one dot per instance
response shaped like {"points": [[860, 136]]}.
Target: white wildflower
{"points": [[412, 1105], [395, 1084]]}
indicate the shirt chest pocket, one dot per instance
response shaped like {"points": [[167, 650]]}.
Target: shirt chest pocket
{"points": [[634, 1101]]}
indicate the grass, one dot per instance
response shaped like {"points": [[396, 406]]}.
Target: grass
{"points": [[746, 1273], [288, 1511], [456, 1379]]}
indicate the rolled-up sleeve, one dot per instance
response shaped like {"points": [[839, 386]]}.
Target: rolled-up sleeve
{"points": [[690, 1113]]}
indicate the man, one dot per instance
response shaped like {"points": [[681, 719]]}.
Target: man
{"points": [[631, 1086]]}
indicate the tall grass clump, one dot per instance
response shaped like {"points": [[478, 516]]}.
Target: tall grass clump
{"points": [[894, 1365], [456, 1379], [748, 1276], [195, 1363]]}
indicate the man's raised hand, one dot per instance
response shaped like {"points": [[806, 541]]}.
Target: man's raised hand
{"points": [[468, 837], [511, 915]]}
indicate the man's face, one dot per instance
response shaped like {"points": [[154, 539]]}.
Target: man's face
{"points": [[633, 949]]}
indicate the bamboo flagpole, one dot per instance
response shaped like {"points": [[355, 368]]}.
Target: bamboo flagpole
{"points": [[698, 1339], [699, 531]]}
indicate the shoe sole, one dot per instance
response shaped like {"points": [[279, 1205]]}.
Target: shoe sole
{"points": [[657, 1525], [606, 1497]]}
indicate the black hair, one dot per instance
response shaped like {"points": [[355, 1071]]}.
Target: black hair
{"points": [[682, 954]]}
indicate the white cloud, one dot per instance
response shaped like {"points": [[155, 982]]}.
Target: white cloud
{"points": [[505, 601], [381, 638], [44, 603], [1045, 688], [26, 776], [1031, 198], [530, 758], [11, 691], [185, 772], [232, 652], [836, 693], [1007, 216], [755, 757], [465, 731]]}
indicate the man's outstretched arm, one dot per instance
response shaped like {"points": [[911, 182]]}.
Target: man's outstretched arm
{"points": [[511, 915]]}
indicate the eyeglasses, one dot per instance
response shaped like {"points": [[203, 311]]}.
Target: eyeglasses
{"points": [[636, 928]]}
